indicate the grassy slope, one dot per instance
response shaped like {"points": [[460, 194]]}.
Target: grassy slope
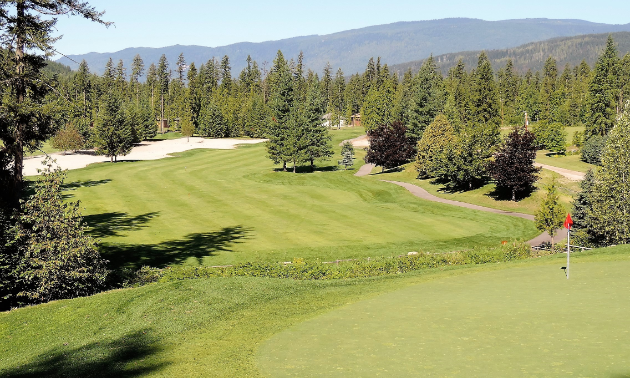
{"points": [[525, 321], [483, 196], [214, 327], [220, 207]]}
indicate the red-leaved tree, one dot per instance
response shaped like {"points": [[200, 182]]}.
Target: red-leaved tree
{"points": [[513, 165], [390, 146]]}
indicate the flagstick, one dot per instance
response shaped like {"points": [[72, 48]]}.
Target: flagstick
{"points": [[568, 249]]}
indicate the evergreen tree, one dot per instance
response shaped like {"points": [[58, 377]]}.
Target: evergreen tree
{"points": [[609, 216], [485, 103], [181, 68], [603, 94], [226, 74], [513, 166], [316, 135], [428, 98], [109, 75], [211, 122], [347, 155], [57, 259], [163, 84], [336, 106], [281, 108], [548, 88], [550, 215], [25, 123], [112, 133], [137, 71], [583, 202]]}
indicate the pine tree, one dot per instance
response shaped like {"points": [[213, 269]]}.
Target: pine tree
{"points": [[281, 108], [137, 71], [181, 68], [548, 88], [604, 93], [609, 216], [317, 137], [163, 84], [226, 74], [211, 121], [57, 259], [513, 166], [112, 133], [347, 155], [27, 41], [485, 102], [583, 202], [550, 215], [428, 98]]}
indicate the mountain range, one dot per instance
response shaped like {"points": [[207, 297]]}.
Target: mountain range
{"points": [[567, 50], [350, 50]]}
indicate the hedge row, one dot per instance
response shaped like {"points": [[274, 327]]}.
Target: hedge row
{"points": [[306, 270]]}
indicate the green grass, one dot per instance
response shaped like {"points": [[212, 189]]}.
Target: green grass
{"points": [[226, 327], [484, 196], [216, 207], [46, 148], [572, 162], [524, 321], [168, 135]]}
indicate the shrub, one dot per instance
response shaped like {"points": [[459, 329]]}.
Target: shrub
{"points": [[593, 149]]}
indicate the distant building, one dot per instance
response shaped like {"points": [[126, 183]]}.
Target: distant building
{"points": [[328, 122], [355, 120]]}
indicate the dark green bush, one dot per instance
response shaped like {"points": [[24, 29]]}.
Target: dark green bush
{"points": [[593, 149]]}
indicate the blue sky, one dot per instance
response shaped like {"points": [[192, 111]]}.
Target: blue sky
{"points": [[158, 23]]}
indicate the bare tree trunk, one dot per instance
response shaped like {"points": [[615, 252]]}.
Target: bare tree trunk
{"points": [[284, 166], [312, 165]]}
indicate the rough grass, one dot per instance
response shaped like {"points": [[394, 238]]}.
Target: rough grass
{"points": [[215, 327], [216, 207]]}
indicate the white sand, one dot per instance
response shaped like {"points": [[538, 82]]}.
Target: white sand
{"points": [[144, 151]]}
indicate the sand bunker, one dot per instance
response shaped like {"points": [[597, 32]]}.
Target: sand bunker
{"points": [[145, 151]]}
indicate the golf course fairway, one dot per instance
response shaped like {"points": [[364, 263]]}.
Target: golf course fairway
{"points": [[521, 322]]}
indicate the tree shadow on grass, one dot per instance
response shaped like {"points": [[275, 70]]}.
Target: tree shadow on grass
{"points": [[123, 357], [111, 224], [307, 169], [503, 194], [198, 246], [84, 184]]}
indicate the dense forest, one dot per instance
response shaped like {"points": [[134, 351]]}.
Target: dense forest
{"points": [[532, 56], [210, 101]]}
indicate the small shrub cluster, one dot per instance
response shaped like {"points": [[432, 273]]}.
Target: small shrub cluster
{"points": [[307, 270], [550, 136], [593, 149]]}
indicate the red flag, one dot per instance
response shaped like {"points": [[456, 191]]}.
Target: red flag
{"points": [[568, 222]]}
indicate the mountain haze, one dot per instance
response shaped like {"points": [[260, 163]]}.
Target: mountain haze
{"points": [[567, 50], [395, 43]]}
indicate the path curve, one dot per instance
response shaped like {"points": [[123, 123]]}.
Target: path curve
{"points": [[571, 175], [148, 150], [365, 170], [419, 192]]}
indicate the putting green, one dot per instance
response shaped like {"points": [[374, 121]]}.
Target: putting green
{"points": [[525, 322]]}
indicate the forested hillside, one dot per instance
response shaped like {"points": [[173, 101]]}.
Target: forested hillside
{"points": [[394, 43], [532, 56]]}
